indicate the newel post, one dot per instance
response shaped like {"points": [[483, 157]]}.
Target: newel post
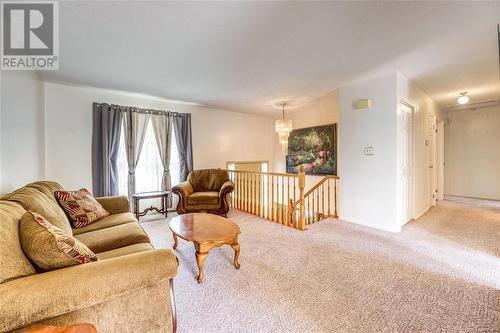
{"points": [[302, 185]]}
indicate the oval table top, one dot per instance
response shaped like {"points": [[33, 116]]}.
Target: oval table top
{"points": [[203, 227]]}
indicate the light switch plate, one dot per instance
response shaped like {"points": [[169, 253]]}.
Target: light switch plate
{"points": [[368, 150]]}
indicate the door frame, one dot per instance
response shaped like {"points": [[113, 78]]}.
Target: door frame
{"points": [[411, 183]]}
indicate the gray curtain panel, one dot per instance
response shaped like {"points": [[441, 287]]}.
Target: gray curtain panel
{"points": [[107, 126], [162, 126], [182, 129], [135, 130]]}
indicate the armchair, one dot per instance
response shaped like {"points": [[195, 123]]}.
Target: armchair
{"points": [[204, 191]]}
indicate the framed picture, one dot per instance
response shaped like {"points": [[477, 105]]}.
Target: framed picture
{"points": [[315, 148]]}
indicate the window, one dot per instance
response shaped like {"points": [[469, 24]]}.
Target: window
{"points": [[254, 166], [149, 170]]}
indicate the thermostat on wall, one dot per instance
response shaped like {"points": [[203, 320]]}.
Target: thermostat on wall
{"points": [[362, 104]]}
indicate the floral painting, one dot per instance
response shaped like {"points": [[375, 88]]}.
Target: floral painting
{"points": [[315, 148]]}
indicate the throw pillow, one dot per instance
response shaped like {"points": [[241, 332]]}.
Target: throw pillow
{"points": [[81, 207], [48, 247]]}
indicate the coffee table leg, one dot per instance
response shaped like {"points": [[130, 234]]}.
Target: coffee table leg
{"points": [[175, 241], [200, 259], [236, 248]]}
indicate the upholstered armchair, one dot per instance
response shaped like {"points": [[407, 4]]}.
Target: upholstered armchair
{"points": [[204, 191]]}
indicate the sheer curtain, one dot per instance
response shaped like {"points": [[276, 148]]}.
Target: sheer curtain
{"points": [[149, 170]]}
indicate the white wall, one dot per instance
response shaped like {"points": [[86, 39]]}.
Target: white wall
{"points": [[472, 153], [22, 148], [424, 107], [367, 187], [218, 136], [322, 111]]}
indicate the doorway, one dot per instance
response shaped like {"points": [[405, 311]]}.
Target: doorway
{"points": [[406, 158]]}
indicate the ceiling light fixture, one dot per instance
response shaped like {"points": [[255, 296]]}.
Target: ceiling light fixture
{"points": [[463, 98], [283, 127]]}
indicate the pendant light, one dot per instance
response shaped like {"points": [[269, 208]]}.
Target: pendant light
{"points": [[283, 127]]}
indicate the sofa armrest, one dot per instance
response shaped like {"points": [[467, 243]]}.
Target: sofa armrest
{"points": [[226, 188], [115, 204], [36, 297]]}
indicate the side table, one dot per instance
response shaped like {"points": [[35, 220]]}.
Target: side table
{"points": [[150, 195]]}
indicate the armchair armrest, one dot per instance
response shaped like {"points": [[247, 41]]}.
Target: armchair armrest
{"points": [[183, 190], [226, 188], [115, 204], [36, 297]]}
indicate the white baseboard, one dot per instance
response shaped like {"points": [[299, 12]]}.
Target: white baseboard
{"points": [[368, 224], [421, 213]]}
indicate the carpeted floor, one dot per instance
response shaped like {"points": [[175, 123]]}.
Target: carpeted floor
{"points": [[440, 274]]}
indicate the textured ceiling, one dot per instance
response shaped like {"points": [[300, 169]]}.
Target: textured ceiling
{"points": [[240, 55]]}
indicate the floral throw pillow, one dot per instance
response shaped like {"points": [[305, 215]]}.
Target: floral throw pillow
{"points": [[48, 247], [81, 207]]}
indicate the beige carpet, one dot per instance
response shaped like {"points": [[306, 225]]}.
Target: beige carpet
{"points": [[440, 274]]}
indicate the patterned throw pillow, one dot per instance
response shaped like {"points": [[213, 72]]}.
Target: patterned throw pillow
{"points": [[81, 207], [48, 247]]}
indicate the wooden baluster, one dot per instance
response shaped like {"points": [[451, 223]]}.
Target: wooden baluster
{"points": [[335, 193], [323, 199], [257, 200], [313, 207], [302, 184], [268, 210], [242, 191], [231, 177], [272, 198], [308, 210], [282, 200], [318, 209], [293, 199], [261, 179], [255, 194], [288, 199], [246, 192], [329, 199], [252, 201]]}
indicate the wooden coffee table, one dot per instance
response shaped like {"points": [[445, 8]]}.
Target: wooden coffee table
{"points": [[206, 231]]}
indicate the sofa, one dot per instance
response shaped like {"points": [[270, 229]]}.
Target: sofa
{"points": [[129, 289], [205, 190]]}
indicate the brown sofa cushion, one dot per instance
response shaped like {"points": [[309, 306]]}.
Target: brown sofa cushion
{"points": [[123, 251], [114, 237], [107, 222], [207, 179], [48, 246], [39, 198], [81, 207], [201, 198], [13, 261]]}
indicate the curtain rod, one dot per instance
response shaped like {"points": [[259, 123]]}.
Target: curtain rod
{"points": [[146, 111]]}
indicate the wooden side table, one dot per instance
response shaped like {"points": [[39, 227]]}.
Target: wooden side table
{"points": [[206, 231], [150, 195]]}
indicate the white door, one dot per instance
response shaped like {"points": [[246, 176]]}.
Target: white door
{"points": [[432, 160], [406, 162], [440, 160]]}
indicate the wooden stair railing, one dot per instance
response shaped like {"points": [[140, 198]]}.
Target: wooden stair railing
{"points": [[317, 202], [280, 197]]}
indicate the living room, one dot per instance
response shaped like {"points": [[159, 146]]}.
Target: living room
{"points": [[303, 178]]}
